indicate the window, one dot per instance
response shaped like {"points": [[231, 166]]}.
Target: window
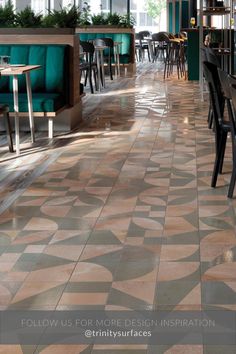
{"points": [[133, 5], [39, 6], [105, 5], [120, 6]]}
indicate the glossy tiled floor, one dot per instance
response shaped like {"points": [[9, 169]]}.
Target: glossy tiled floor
{"points": [[121, 218]]}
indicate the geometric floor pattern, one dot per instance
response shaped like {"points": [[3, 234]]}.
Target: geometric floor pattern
{"points": [[123, 217]]}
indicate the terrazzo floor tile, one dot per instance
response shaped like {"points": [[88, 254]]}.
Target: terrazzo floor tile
{"points": [[121, 219]]}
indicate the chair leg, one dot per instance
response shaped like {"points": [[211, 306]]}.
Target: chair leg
{"points": [[90, 81], [222, 155], [9, 131], [218, 159], [232, 180], [50, 128], [210, 117], [95, 79], [149, 57], [110, 66]]}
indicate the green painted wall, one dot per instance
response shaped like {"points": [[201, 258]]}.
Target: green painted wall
{"points": [[193, 55], [185, 15], [170, 17], [177, 24]]}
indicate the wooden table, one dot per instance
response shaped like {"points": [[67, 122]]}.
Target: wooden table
{"points": [[15, 71]]}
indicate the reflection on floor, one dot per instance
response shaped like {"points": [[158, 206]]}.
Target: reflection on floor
{"points": [[121, 214]]}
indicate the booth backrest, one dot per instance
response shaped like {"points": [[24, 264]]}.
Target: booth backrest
{"points": [[53, 75], [124, 38]]}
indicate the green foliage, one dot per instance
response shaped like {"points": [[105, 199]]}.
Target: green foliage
{"points": [[27, 18], [114, 19], [154, 7], [127, 21], [99, 19], [65, 17], [7, 15]]}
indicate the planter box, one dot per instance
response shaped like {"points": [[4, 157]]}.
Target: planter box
{"points": [[36, 31]]}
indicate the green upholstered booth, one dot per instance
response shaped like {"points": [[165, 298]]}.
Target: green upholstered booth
{"points": [[124, 38], [50, 89]]}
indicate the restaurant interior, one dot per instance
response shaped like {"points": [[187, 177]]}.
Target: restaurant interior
{"points": [[117, 176]]}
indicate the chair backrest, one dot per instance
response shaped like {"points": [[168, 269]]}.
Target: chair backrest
{"points": [[138, 36], [160, 37], [87, 47], [108, 42], [211, 57], [232, 87], [223, 76], [144, 34], [203, 54], [216, 95], [99, 42]]}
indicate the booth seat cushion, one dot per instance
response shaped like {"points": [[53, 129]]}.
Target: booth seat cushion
{"points": [[42, 102], [124, 38], [50, 84]]}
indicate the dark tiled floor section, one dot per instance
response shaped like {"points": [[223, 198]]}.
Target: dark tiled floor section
{"points": [[121, 218]]}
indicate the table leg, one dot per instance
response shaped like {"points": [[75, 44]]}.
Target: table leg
{"points": [[30, 106], [115, 59], [118, 60], [99, 70], [102, 66], [16, 109]]}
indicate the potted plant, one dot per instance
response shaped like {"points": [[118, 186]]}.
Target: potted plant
{"points": [[7, 15], [127, 21], [114, 19], [99, 19], [67, 17], [28, 19]]}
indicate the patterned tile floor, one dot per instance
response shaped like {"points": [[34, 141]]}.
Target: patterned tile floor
{"points": [[123, 216]]}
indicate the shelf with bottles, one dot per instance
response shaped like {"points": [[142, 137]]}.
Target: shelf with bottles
{"points": [[214, 7], [216, 11]]}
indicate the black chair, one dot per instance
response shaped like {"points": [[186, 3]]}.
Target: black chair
{"points": [[160, 47], [144, 43], [139, 54], [211, 57], [221, 126], [88, 64], [228, 83]]}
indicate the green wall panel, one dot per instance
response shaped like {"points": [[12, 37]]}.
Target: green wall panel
{"points": [[193, 55], [185, 15], [177, 24], [170, 17]]}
